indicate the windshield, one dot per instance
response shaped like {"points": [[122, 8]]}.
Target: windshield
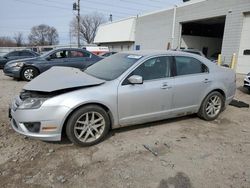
{"points": [[112, 67]]}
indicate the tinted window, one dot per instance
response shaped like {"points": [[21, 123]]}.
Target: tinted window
{"points": [[155, 68], [26, 54], [60, 54], [189, 65], [113, 66], [75, 54]]}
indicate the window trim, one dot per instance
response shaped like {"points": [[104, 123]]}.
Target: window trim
{"points": [[124, 79], [175, 70]]}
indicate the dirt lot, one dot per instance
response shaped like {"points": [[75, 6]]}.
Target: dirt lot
{"points": [[191, 153]]}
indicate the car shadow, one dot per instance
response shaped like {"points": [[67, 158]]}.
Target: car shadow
{"points": [[243, 90], [147, 125]]}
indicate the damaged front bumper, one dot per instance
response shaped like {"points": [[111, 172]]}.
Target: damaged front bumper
{"points": [[44, 123]]}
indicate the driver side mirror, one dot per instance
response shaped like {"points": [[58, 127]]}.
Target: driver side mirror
{"points": [[5, 57], [48, 58], [135, 79]]}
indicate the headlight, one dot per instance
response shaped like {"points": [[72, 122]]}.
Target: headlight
{"points": [[32, 103], [18, 64]]}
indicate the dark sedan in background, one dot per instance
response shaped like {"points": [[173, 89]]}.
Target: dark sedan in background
{"points": [[27, 69], [14, 55]]}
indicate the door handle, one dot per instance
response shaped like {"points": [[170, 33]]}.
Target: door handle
{"points": [[165, 86], [207, 81]]}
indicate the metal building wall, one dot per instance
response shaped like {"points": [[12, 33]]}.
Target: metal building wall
{"points": [[232, 9], [154, 31]]}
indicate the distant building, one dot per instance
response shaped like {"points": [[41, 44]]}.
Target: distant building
{"points": [[211, 26], [118, 35]]}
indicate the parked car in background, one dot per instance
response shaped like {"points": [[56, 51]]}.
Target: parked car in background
{"points": [[247, 81], [107, 54], [124, 89], [27, 69], [193, 51], [14, 55]]}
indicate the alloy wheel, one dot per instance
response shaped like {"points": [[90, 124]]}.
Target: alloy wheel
{"points": [[89, 127], [28, 74], [213, 106]]}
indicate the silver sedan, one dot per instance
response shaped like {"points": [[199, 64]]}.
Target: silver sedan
{"points": [[121, 90]]}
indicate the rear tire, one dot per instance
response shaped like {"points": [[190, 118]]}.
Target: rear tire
{"points": [[88, 125], [212, 106], [28, 73]]}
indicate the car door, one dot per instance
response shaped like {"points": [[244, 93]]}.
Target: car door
{"points": [[58, 58], [190, 82], [150, 100]]}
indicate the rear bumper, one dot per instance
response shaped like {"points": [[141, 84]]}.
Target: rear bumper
{"points": [[229, 100]]}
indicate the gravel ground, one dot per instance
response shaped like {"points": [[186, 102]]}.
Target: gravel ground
{"points": [[190, 153]]}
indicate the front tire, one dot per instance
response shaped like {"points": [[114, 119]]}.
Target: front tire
{"points": [[28, 73], [88, 125], [212, 106]]}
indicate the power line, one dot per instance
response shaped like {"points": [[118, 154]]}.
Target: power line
{"points": [[122, 14], [50, 6], [108, 4], [142, 4]]}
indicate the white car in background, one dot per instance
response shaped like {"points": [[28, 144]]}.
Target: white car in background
{"points": [[247, 82]]}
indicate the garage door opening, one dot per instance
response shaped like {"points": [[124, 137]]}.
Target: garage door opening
{"points": [[204, 35]]}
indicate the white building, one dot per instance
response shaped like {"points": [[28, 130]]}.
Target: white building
{"points": [[212, 26]]}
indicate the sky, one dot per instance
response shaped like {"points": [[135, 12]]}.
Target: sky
{"points": [[21, 15]]}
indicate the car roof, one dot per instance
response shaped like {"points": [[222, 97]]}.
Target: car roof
{"points": [[159, 52], [70, 49]]}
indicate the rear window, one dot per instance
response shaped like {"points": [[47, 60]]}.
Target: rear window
{"points": [[189, 65]]}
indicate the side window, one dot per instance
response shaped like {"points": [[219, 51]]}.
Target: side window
{"points": [[189, 65], [60, 54], [76, 54], [155, 68]]}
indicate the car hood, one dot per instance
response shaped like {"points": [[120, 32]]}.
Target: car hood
{"points": [[59, 78]]}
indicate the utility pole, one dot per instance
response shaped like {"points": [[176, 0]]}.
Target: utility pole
{"points": [[76, 6]]}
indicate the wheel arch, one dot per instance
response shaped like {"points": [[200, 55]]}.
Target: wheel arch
{"points": [[28, 65], [221, 91], [87, 104]]}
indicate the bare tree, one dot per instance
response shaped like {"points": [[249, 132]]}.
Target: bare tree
{"points": [[7, 42], [43, 35], [88, 26], [19, 39]]}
